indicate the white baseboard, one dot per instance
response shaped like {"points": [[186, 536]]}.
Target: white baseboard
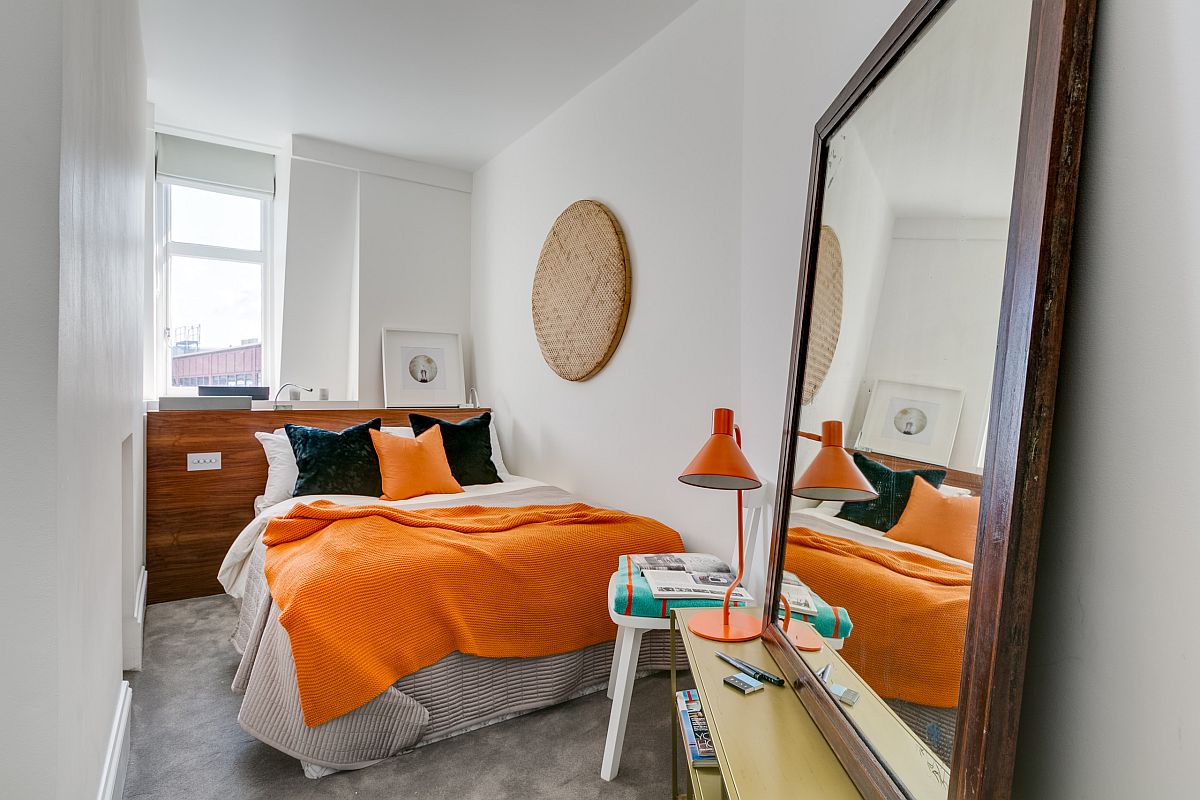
{"points": [[112, 779]]}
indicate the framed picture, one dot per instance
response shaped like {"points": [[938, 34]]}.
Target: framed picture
{"points": [[422, 369], [912, 421]]}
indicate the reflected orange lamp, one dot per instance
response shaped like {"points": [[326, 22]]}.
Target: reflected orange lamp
{"points": [[720, 464], [832, 475]]}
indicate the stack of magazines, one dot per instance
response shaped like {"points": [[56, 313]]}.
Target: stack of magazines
{"points": [[697, 739], [678, 576]]}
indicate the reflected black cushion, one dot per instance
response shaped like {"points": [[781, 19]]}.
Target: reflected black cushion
{"points": [[468, 446], [336, 463], [893, 486]]}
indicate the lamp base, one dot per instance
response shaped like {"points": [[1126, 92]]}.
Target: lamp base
{"points": [[710, 624], [803, 637]]}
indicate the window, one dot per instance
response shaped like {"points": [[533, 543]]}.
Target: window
{"points": [[213, 248]]}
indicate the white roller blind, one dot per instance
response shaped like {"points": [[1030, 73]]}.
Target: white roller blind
{"points": [[194, 160]]}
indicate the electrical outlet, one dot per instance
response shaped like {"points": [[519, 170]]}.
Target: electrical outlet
{"points": [[202, 461]]}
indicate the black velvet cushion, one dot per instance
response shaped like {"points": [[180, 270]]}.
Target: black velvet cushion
{"points": [[336, 463], [894, 487], [468, 446]]}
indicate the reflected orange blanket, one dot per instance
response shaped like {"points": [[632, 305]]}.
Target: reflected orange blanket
{"points": [[909, 613], [369, 594]]}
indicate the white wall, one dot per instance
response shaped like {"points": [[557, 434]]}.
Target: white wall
{"points": [[658, 140], [799, 55], [942, 275], [414, 268], [372, 240], [31, 85], [1112, 701], [74, 332], [858, 212], [316, 348]]}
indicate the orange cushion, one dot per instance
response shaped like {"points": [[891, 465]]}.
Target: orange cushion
{"points": [[413, 467], [933, 520]]}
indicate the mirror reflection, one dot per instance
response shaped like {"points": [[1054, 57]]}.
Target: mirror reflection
{"points": [[898, 370]]}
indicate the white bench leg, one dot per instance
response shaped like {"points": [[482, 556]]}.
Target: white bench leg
{"points": [[625, 659], [616, 662]]}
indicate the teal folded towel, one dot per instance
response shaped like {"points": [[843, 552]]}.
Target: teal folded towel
{"points": [[633, 599], [832, 622], [641, 603]]}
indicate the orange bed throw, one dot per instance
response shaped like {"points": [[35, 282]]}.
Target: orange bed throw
{"points": [[909, 613], [369, 594]]}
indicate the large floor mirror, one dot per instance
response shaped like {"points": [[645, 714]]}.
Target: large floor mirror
{"points": [[921, 398]]}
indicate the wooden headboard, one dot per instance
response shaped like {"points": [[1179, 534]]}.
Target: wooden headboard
{"points": [[193, 517], [971, 481]]}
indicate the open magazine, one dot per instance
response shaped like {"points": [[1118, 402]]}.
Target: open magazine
{"points": [[666, 584], [798, 595], [681, 562]]}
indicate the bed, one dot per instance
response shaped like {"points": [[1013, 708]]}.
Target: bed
{"points": [[909, 608], [455, 694]]}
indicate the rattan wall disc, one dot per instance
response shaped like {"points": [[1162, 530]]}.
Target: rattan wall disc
{"points": [[826, 324], [581, 291]]}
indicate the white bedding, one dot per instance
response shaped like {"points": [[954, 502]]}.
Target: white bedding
{"points": [[822, 521], [233, 571]]}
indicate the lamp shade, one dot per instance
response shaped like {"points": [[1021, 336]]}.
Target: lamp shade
{"points": [[720, 464], [832, 475]]}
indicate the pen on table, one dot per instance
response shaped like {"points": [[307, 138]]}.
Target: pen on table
{"points": [[751, 670]]}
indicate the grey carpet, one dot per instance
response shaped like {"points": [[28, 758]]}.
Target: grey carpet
{"points": [[186, 742]]}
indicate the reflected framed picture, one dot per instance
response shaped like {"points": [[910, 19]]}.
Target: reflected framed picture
{"points": [[911, 421], [422, 369]]}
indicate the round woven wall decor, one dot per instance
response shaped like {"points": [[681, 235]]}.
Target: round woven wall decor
{"points": [[581, 291], [826, 323]]}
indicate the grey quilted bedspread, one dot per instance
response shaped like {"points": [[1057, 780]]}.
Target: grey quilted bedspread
{"points": [[457, 694]]}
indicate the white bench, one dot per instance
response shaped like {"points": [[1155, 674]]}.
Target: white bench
{"points": [[629, 639]]}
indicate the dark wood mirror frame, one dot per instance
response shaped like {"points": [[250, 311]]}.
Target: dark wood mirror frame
{"points": [[1022, 405]]}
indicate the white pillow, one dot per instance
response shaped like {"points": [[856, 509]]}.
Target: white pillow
{"points": [[282, 471], [404, 433], [830, 507], [497, 456]]}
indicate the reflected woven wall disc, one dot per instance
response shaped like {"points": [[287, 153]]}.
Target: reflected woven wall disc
{"points": [[826, 324], [581, 291]]}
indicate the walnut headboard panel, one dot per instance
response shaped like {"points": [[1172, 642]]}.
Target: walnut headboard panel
{"points": [[193, 517]]}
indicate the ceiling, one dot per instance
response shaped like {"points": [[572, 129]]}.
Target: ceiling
{"points": [[941, 129], [449, 82]]}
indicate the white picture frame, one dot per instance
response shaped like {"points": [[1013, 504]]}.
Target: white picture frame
{"points": [[422, 369], [912, 421]]}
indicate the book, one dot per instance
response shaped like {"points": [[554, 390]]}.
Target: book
{"points": [[697, 739], [668, 584], [680, 562], [798, 595]]}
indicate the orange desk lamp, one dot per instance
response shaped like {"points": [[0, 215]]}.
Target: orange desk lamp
{"points": [[832, 475], [720, 464]]}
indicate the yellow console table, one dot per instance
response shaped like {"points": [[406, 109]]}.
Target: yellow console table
{"points": [[767, 745]]}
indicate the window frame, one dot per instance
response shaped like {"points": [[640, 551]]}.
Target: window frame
{"points": [[164, 249]]}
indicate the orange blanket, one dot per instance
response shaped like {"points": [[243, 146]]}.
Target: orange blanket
{"points": [[909, 613], [369, 594]]}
